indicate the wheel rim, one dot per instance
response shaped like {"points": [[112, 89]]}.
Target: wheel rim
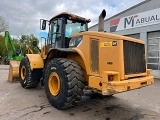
{"points": [[54, 83], [23, 72]]}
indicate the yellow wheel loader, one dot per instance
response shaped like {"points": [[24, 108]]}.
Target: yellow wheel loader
{"points": [[74, 58]]}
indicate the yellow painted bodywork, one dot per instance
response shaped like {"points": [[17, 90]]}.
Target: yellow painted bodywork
{"points": [[106, 87], [111, 62], [35, 60], [106, 52], [126, 85]]}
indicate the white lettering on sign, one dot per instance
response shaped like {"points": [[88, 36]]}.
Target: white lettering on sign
{"points": [[138, 20]]}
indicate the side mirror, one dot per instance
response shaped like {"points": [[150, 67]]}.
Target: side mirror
{"points": [[43, 24], [34, 43]]}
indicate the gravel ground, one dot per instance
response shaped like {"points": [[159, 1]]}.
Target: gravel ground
{"points": [[17, 103]]}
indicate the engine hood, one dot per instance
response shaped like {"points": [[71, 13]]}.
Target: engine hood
{"points": [[107, 35]]}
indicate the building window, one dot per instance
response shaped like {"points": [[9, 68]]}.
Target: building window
{"points": [[153, 50]]}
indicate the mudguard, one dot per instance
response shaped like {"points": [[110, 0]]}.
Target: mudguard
{"points": [[36, 61]]}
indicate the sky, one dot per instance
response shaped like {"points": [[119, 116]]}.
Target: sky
{"points": [[23, 16]]}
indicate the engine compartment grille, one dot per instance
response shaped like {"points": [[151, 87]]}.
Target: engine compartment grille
{"points": [[95, 55], [134, 57]]}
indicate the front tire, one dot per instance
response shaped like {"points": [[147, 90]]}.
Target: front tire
{"points": [[63, 83], [28, 78]]}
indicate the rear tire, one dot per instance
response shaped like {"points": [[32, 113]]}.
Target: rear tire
{"points": [[63, 83], [28, 78]]}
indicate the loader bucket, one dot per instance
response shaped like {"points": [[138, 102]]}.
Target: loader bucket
{"points": [[13, 71]]}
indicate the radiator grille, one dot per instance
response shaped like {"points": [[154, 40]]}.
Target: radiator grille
{"points": [[95, 55], [134, 57]]}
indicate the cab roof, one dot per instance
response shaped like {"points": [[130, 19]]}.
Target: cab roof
{"points": [[71, 17]]}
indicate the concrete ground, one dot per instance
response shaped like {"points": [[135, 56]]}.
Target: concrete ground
{"points": [[17, 103]]}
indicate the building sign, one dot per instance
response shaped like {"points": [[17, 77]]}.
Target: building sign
{"points": [[138, 20]]}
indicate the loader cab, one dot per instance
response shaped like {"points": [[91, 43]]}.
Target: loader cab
{"points": [[61, 27]]}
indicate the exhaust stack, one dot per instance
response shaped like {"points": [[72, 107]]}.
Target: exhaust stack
{"points": [[101, 21]]}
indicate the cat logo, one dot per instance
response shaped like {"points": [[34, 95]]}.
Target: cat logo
{"points": [[114, 43]]}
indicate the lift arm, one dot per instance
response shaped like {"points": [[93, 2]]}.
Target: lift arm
{"points": [[8, 39], [29, 50]]}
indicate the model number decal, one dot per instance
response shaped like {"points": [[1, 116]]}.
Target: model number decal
{"points": [[108, 44]]}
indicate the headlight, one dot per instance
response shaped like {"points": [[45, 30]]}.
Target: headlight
{"points": [[75, 41]]}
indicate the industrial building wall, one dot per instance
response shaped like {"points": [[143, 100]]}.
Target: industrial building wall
{"points": [[142, 7], [149, 31]]}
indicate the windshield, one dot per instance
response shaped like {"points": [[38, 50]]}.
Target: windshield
{"points": [[73, 27]]}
